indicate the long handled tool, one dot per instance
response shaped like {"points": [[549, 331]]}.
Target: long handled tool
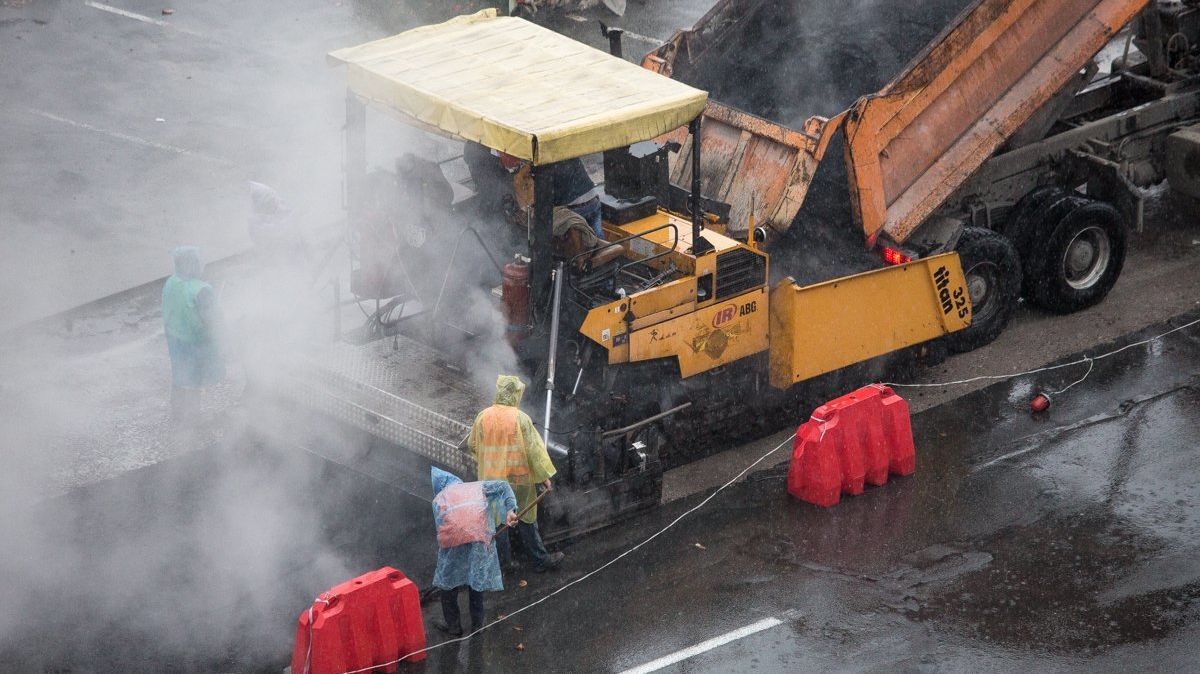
{"points": [[523, 511]]}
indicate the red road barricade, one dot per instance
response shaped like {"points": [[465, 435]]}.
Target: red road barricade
{"points": [[366, 621], [855, 440]]}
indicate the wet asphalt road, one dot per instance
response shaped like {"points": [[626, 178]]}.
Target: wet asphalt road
{"points": [[1065, 541], [125, 133]]}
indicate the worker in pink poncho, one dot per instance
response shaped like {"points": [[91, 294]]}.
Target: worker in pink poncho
{"points": [[467, 554]]}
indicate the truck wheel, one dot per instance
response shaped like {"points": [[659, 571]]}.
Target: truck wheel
{"points": [[1024, 223], [993, 273], [1080, 260]]}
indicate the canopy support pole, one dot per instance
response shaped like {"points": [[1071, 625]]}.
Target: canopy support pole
{"points": [[699, 244], [551, 363]]}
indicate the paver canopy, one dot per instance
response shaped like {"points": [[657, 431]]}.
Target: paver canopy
{"points": [[517, 87]]}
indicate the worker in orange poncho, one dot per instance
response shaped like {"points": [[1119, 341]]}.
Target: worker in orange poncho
{"points": [[507, 447]]}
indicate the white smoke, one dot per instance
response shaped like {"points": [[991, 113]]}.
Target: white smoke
{"points": [[131, 542]]}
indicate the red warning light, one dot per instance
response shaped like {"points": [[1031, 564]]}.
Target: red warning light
{"points": [[893, 256], [1040, 403]]}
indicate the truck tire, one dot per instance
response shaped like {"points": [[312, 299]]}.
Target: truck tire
{"points": [[1026, 220], [1080, 259], [993, 273]]}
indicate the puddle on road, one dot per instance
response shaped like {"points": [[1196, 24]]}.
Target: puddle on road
{"points": [[1111, 561], [1038, 590]]}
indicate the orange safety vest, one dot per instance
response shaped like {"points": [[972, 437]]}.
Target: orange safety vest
{"points": [[501, 450]]}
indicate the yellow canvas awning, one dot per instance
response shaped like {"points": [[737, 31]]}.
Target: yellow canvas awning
{"points": [[517, 87]]}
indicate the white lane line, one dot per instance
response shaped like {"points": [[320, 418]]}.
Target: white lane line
{"points": [[127, 14], [136, 17], [128, 138], [644, 38], [704, 646], [626, 33]]}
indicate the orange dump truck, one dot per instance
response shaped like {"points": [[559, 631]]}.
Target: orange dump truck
{"points": [[1022, 137]]}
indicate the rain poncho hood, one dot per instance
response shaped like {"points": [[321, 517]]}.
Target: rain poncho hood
{"points": [[181, 297], [473, 564], [442, 479], [509, 390], [187, 262]]}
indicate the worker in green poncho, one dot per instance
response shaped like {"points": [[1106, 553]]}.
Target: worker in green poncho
{"points": [[189, 318], [507, 447]]}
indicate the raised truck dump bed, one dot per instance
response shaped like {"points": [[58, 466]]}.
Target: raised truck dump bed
{"points": [[914, 143]]}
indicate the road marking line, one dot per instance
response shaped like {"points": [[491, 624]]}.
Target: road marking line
{"points": [[128, 138], [704, 646], [136, 17], [644, 38], [127, 14], [636, 36]]}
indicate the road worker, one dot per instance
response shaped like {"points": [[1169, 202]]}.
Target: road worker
{"points": [[189, 308], [571, 186], [467, 554], [508, 447], [493, 184], [572, 235]]}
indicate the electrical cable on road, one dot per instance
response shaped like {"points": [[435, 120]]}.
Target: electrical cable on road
{"points": [[1091, 366], [589, 574], [1090, 360]]}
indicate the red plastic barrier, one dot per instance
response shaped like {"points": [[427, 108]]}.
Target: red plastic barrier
{"points": [[369, 620], [897, 425], [849, 442]]}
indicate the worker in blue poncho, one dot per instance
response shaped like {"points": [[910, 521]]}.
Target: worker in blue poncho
{"points": [[189, 308], [466, 550]]}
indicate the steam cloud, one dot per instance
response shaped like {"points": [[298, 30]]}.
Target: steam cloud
{"points": [[798, 58], [131, 543], [195, 563]]}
